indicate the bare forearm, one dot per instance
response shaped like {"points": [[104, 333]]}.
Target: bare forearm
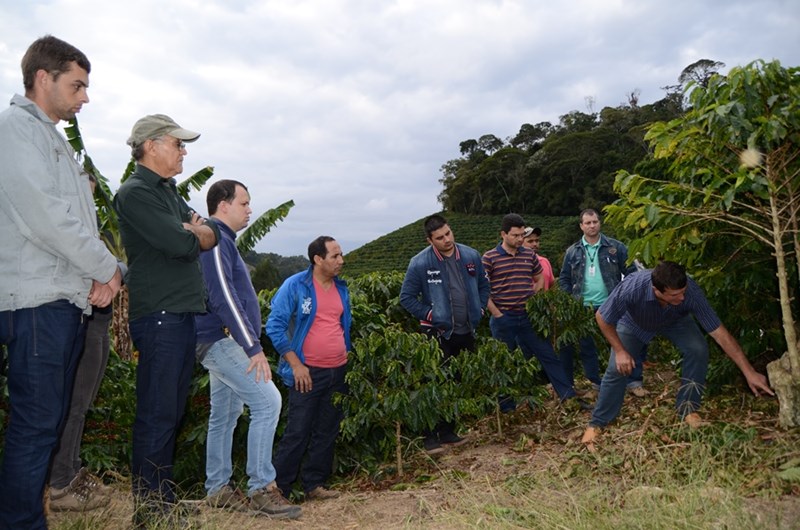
{"points": [[609, 331], [205, 236], [732, 349]]}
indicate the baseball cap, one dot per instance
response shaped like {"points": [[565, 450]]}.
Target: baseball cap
{"points": [[532, 230], [156, 125]]}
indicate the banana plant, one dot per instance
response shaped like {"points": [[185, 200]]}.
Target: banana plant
{"points": [[109, 224]]}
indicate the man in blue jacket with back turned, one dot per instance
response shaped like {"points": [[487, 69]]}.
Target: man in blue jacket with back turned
{"points": [[446, 288]]}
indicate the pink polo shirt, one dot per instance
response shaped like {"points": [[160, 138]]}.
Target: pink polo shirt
{"points": [[324, 345]]}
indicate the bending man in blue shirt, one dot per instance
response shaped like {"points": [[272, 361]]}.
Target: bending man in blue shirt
{"points": [[662, 301]]}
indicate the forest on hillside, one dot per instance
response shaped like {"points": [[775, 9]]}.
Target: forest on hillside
{"points": [[560, 169]]}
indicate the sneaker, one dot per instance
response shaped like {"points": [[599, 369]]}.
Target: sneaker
{"points": [[321, 493], [638, 391], [228, 498], [432, 446], [452, 439], [695, 421], [270, 501], [76, 497], [93, 482]]}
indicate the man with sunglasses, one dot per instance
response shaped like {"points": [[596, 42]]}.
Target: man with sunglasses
{"points": [[163, 238]]}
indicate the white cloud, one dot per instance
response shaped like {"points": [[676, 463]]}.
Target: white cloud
{"points": [[350, 107]]}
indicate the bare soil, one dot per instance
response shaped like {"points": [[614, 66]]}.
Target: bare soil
{"points": [[545, 440]]}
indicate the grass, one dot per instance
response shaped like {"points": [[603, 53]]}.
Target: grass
{"points": [[649, 472]]}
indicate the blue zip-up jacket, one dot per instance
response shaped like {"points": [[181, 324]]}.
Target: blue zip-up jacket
{"points": [[291, 314], [612, 256], [232, 301], [426, 288]]}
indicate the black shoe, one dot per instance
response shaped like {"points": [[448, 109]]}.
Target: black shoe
{"points": [[451, 438], [583, 404], [432, 446], [507, 404]]}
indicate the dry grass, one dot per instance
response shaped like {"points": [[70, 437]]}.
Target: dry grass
{"points": [[648, 472]]}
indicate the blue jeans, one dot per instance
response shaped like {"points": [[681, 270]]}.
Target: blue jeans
{"points": [[690, 341], [514, 329], [231, 389], [44, 344], [166, 344], [589, 358], [591, 364], [312, 426]]}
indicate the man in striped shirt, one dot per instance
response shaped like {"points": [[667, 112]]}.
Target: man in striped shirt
{"points": [[662, 301], [509, 268]]}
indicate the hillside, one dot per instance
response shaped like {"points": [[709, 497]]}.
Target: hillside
{"points": [[392, 251]]}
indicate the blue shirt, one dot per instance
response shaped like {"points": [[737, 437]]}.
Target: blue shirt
{"points": [[634, 305]]}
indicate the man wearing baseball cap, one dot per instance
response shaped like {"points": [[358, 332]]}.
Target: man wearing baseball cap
{"points": [[530, 239], [163, 238]]}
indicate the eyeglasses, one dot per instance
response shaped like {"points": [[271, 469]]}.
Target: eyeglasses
{"points": [[179, 144]]}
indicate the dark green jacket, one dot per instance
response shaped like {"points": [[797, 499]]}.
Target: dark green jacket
{"points": [[163, 268]]}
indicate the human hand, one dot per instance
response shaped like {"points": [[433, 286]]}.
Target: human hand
{"points": [[758, 384], [624, 362], [302, 378], [101, 294], [259, 363]]}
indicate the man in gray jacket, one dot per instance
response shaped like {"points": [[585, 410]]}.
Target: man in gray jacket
{"points": [[53, 267]]}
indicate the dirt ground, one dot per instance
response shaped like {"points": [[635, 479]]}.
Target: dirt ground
{"points": [[531, 441]]}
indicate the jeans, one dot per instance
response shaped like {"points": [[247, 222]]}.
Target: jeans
{"points": [[690, 341], [589, 358], [591, 364], [43, 343], [88, 376], [514, 329], [450, 348], [313, 425], [231, 389], [166, 344]]}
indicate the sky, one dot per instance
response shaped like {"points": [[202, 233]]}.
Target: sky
{"points": [[351, 107]]}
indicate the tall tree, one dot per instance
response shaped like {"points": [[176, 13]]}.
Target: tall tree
{"points": [[700, 72], [734, 174]]}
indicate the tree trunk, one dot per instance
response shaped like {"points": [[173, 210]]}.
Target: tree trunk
{"points": [[398, 449], [785, 298], [787, 388], [119, 326]]}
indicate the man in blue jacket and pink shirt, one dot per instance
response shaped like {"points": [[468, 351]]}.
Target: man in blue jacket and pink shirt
{"points": [[228, 346], [309, 326]]}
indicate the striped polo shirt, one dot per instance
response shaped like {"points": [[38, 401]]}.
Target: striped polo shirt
{"points": [[511, 276], [634, 304]]}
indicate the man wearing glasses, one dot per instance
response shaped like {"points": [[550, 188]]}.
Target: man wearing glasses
{"points": [[163, 238]]}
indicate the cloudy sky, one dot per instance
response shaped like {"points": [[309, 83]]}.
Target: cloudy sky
{"points": [[350, 107]]}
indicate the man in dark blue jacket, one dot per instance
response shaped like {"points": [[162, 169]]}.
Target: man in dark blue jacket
{"points": [[446, 289], [228, 346]]}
